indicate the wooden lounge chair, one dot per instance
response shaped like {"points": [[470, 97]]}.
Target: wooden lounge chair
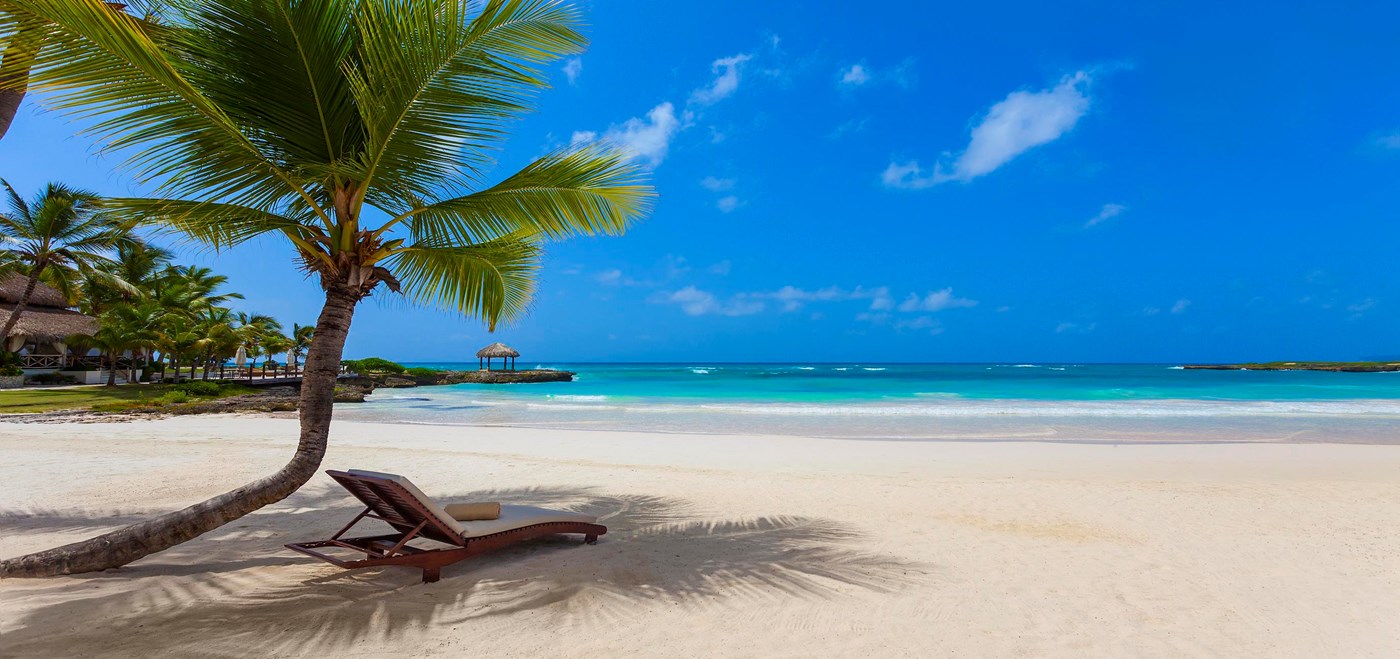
{"points": [[414, 516]]}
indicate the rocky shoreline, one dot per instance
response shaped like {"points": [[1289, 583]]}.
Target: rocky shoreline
{"points": [[283, 398], [1335, 367]]}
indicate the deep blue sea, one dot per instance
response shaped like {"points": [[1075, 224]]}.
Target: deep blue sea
{"points": [[988, 402]]}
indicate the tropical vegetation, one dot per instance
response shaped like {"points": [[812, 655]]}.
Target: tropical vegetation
{"points": [[359, 133]]}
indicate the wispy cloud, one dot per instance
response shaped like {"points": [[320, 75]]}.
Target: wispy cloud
{"points": [[716, 184], [920, 323], [863, 75], [572, 69], [1108, 212], [696, 302], [1388, 140], [855, 76], [722, 268], [1075, 328], [935, 301], [726, 70], [647, 139], [1181, 306], [728, 203], [1018, 123]]}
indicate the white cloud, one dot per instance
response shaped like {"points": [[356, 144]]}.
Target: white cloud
{"points": [[1075, 328], [1362, 306], [1151, 311], [1390, 141], [848, 128], [935, 301], [1181, 305], [861, 75], [1021, 121], [725, 83], [728, 204], [714, 184], [1108, 212], [855, 76], [722, 268], [695, 302], [881, 301], [920, 323], [873, 318], [613, 277], [572, 69], [646, 139]]}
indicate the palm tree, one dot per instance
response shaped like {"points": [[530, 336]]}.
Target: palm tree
{"points": [[57, 238], [309, 120], [301, 341]]}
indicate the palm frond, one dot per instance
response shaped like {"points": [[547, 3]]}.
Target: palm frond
{"points": [[493, 280], [584, 191], [219, 225], [432, 111]]}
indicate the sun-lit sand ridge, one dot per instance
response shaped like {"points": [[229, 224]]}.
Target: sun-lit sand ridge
{"points": [[725, 546]]}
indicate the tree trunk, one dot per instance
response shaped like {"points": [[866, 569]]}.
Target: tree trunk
{"points": [[15, 65], [112, 372], [23, 301], [125, 545]]}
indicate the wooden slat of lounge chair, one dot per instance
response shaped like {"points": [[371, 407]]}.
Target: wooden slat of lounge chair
{"points": [[388, 501]]}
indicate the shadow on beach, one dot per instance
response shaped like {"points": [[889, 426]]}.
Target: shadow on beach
{"points": [[205, 597]]}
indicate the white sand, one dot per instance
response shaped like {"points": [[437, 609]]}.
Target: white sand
{"points": [[725, 546]]}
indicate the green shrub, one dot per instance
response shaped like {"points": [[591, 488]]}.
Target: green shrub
{"points": [[11, 369], [370, 365], [49, 378], [174, 397], [421, 372], [200, 388]]}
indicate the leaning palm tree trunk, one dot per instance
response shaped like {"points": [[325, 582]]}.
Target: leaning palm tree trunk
{"points": [[17, 61], [127, 544]]}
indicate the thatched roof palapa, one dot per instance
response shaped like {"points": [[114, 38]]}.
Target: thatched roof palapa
{"points": [[12, 288], [49, 324], [497, 350]]}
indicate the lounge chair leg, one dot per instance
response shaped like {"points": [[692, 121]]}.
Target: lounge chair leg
{"points": [[431, 574], [590, 539]]}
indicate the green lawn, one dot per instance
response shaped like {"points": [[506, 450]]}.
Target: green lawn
{"points": [[72, 398]]}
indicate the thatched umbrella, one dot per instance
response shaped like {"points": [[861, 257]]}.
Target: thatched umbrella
{"points": [[497, 349]]}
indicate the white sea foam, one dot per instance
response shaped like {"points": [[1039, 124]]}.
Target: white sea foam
{"points": [[806, 368], [700, 371], [872, 369]]}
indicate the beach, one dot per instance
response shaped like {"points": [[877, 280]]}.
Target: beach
{"points": [[724, 545]]}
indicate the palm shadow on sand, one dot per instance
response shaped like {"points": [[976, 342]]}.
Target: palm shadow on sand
{"points": [[203, 594]]}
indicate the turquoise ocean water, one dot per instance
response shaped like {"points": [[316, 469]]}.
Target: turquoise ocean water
{"points": [[987, 402]]}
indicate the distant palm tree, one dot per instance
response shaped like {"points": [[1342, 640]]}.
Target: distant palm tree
{"points": [[302, 336], [295, 120], [57, 238]]}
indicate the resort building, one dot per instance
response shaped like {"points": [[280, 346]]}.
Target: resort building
{"points": [[41, 335]]}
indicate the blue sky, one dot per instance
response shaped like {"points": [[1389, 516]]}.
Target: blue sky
{"points": [[938, 182]]}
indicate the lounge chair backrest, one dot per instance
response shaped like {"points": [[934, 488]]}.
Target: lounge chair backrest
{"points": [[399, 502]]}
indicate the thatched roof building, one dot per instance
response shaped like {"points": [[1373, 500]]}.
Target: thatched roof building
{"points": [[496, 350], [47, 318]]}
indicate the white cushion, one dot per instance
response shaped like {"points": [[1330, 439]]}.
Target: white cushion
{"points": [[512, 517]]}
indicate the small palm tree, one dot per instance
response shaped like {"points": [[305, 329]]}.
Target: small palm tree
{"points": [[301, 341], [357, 132], [57, 238]]}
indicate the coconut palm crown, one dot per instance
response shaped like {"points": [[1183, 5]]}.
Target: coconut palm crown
{"points": [[360, 132]]}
